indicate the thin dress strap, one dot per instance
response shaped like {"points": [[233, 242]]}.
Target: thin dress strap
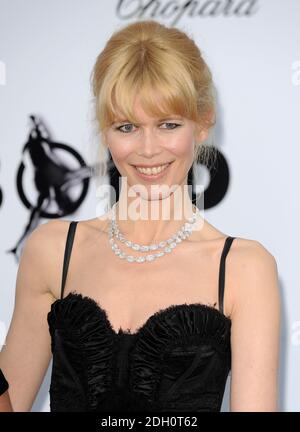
{"points": [[67, 255], [227, 244]]}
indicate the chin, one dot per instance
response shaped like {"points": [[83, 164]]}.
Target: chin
{"points": [[148, 195]]}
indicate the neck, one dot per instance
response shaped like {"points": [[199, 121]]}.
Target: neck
{"points": [[150, 221]]}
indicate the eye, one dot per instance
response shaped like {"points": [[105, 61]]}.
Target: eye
{"points": [[119, 128], [174, 124]]}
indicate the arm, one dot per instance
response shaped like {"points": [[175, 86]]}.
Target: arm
{"points": [[5, 405], [255, 330], [25, 357]]}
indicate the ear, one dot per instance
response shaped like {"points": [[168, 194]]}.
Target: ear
{"points": [[201, 133]]}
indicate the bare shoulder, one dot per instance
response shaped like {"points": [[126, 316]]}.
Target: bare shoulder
{"points": [[43, 251], [47, 238], [248, 254], [45, 248], [253, 274], [247, 250], [48, 231]]}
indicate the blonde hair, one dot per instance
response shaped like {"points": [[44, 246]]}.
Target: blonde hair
{"points": [[164, 67]]}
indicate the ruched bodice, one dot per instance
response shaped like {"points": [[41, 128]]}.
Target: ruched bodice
{"points": [[178, 360]]}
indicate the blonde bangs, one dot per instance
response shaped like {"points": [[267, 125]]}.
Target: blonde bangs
{"points": [[163, 89]]}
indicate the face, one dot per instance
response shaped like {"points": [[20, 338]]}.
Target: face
{"points": [[166, 144]]}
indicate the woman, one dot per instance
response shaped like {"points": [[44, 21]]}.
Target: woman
{"points": [[136, 329], [5, 404]]}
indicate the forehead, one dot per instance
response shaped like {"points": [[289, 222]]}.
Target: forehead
{"points": [[142, 116], [156, 110], [148, 119]]}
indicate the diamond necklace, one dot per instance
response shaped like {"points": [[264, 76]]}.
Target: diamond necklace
{"points": [[167, 245]]}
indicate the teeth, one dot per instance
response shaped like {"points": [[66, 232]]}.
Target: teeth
{"points": [[151, 171]]}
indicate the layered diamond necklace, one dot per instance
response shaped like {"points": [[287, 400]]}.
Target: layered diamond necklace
{"points": [[167, 246]]}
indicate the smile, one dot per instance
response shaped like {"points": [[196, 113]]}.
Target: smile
{"points": [[152, 173]]}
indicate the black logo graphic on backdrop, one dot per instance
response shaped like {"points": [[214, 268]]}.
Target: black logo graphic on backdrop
{"points": [[174, 10], [61, 178], [218, 182]]}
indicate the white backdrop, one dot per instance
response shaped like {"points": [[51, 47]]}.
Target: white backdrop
{"points": [[47, 51]]}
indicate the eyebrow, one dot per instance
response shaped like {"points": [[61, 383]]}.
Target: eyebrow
{"points": [[175, 116]]}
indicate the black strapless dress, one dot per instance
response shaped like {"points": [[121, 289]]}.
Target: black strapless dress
{"points": [[179, 360], [3, 383]]}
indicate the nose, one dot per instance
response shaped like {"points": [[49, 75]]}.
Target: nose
{"points": [[148, 145]]}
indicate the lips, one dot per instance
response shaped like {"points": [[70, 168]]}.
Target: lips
{"points": [[153, 176], [152, 166], [153, 170]]}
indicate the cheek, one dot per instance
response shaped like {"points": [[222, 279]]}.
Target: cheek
{"points": [[119, 150], [183, 146]]}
